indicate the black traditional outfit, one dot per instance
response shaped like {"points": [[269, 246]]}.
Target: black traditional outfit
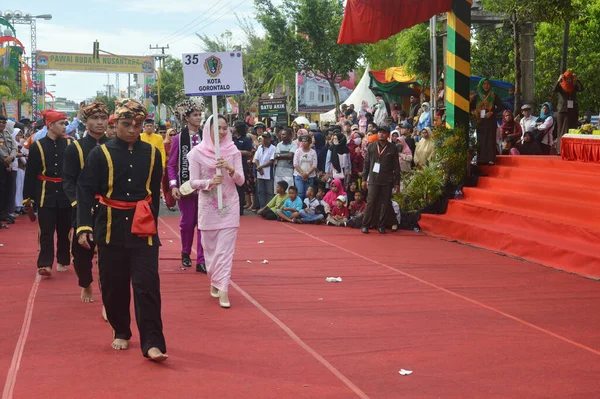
{"points": [[482, 103], [382, 172], [43, 187], [127, 185], [74, 161]]}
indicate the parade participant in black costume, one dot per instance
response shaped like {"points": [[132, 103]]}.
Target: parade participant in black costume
{"points": [[125, 174]]}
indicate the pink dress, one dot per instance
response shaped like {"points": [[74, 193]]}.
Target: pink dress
{"points": [[218, 226]]}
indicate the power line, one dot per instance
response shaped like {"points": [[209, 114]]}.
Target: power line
{"points": [[175, 34], [199, 26], [196, 30]]}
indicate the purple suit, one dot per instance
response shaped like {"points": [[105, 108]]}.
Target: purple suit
{"points": [[188, 206]]}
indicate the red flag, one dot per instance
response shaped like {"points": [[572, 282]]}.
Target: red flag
{"points": [[369, 21]]}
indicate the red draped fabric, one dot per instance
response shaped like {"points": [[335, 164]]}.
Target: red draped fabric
{"points": [[580, 149], [369, 21]]}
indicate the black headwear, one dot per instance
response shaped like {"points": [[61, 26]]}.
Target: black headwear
{"points": [[336, 149]]}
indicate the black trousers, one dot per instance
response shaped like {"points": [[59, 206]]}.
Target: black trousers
{"points": [[120, 267], [82, 257], [7, 192], [51, 220], [242, 195], [378, 201]]}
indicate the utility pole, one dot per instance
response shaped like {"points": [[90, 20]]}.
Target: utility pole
{"points": [[160, 58]]}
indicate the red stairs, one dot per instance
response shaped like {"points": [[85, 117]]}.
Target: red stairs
{"points": [[538, 208]]}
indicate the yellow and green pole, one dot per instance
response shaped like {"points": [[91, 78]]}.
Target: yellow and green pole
{"points": [[458, 66]]}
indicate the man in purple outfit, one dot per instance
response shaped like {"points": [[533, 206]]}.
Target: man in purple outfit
{"points": [[189, 114]]}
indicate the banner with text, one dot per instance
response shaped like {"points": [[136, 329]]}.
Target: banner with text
{"points": [[272, 107], [213, 74], [86, 63]]}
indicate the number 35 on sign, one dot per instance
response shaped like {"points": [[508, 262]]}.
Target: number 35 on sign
{"points": [[213, 74]]}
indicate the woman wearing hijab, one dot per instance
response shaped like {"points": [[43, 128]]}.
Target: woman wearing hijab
{"points": [[19, 166], [529, 145], [425, 118], [545, 127], [357, 160], [362, 113], [406, 155], [336, 190], [321, 149], [425, 148], [509, 128], [567, 111], [219, 226], [337, 164], [486, 104]]}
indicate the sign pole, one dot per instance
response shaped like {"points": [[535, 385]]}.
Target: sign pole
{"points": [[217, 149]]}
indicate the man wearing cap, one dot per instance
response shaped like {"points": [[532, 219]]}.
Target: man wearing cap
{"points": [[380, 174], [95, 117], [125, 175], [43, 189], [149, 136], [528, 121], [189, 114]]}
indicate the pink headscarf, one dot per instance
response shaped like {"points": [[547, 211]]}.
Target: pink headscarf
{"points": [[405, 148], [207, 147], [331, 197], [204, 153]]}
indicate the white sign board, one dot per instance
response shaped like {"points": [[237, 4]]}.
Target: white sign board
{"points": [[213, 74]]}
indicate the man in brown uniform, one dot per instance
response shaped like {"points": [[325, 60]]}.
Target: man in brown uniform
{"points": [[380, 173]]}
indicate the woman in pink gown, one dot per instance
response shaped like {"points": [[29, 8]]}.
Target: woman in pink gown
{"points": [[218, 226]]}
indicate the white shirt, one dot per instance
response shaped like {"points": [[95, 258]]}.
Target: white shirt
{"points": [[344, 164], [527, 124], [285, 167], [263, 156]]}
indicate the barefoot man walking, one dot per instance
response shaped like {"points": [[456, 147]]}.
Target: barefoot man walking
{"points": [[95, 116], [125, 175], [44, 190]]}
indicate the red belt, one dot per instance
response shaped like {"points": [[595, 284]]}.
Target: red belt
{"points": [[50, 179], [143, 224]]}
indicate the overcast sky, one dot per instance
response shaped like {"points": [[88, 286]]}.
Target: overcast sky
{"points": [[123, 27]]}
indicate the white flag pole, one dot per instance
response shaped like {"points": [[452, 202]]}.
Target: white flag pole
{"points": [[217, 148]]}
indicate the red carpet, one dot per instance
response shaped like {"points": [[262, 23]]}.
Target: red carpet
{"points": [[469, 323], [539, 208]]}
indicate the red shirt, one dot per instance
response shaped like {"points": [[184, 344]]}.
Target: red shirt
{"points": [[337, 211], [358, 208]]}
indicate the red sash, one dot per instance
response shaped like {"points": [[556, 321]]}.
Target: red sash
{"points": [[50, 179], [143, 224]]}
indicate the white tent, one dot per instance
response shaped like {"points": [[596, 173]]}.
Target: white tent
{"points": [[361, 92]]}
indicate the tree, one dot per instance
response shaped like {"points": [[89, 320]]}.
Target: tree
{"points": [[409, 49], [171, 89], [108, 101], [517, 13], [303, 34], [250, 48], [583, 59], [491, 52], [9, 89]]}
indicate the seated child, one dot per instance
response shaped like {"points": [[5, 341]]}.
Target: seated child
{"points": [[314, 211], [509, 146], [325, 205], [269, 212], [291, 206], [339, 213], [356, 210], [352, 189]]}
